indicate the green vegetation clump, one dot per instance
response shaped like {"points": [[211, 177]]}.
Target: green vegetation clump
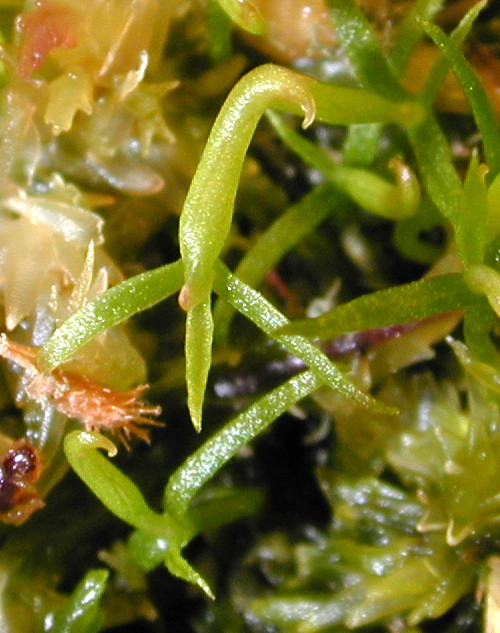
{"points": [[285, 220]]}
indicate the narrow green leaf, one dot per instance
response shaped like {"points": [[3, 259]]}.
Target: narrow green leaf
{"points": [[436, 167], [148, 551], [285, 233], [430, 146], [475, 93], [400, 304], [202, 465], [178, 566], [198, 347], [115, 306], [471, 227], [255, 307], [363, 49], [120, 495], [441, 68], [410, 32], [343, 105]]}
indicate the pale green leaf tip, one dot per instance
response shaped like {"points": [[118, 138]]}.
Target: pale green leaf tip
{"points": [[178, 566], [377, 406], [196, 421], [202, 584], [309, 110], [195, 407]]}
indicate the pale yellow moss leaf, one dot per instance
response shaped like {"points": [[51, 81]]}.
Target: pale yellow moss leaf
{"points": [[68, 93]]}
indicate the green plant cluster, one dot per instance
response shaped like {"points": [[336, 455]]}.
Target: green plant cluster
{"points": [[410, 475], [403, 551]]}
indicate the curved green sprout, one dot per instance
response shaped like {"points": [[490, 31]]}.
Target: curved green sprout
{"points": [[162, 536], [208, 209], [124, 499], [207, 212], [396, 201]]}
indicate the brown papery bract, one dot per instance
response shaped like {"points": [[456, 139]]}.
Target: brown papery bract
{"points": [[99, 408]]}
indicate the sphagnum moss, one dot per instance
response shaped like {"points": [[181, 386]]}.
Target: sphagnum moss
{"points": [[104, 112]]}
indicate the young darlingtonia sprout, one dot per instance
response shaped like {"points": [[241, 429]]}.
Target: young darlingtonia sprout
{"points": [[204, 228], [208, 210]]}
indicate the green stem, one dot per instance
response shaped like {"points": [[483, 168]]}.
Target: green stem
{"points": [[202, 465], [255, 307], [286, 232], [115, 306]]}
